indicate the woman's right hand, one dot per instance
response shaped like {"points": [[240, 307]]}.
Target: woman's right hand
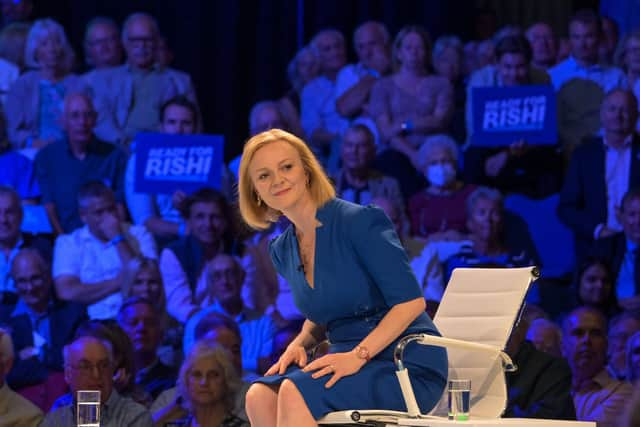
{"points": [[293, 354]]}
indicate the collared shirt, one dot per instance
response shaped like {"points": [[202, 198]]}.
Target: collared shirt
{"points": [[350, 75], [60, 175], [604, 402], [607, 77], [318, 108], [257, 333], [6, 281], [83, 255], [40, 326], [617, 169], [15, 410], [117, 411], [625, 284]]}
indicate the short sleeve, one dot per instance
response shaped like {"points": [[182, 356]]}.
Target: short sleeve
{"points": [[67, 257], [380, 251]]}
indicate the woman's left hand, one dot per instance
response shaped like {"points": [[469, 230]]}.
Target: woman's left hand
{"points": [[338, 364]]}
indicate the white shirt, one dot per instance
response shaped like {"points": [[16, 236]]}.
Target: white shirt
{"points": [[83, 255], [606, 77], [617, 169]]}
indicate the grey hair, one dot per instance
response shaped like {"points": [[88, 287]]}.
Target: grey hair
{"points": [[40, 29], [31, 253], [330, 31], [445, 42], [259, 107], [292, 68], [541, 322], [138, 15], [433, 142], [66, 350], [6, 345], [379, 26], [485, 193]]}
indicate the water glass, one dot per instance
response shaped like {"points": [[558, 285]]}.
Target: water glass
{"points": [[459, 399], [88, 408]]}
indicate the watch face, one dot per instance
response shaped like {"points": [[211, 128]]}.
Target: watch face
{"points": [[363, 353]]}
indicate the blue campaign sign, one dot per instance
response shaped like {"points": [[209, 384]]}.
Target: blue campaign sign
{"points": [[166, 163], [505, 114]]}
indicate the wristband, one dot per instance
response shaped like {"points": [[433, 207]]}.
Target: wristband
{"points": [[119, 238]]}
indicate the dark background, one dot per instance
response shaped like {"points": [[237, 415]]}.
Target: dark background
{"points": [[237, 51]]}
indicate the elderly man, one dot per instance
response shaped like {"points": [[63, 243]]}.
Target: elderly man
{"points": [[90, 263], [102, 47], [224, 279], [584, 37], [40, 325], [62, 167], [596, 396], [372, 44], [14, 409], [88, 365], [601, 171], [143, 323], [128, 97], [543, 45], [621, 328], [12, 240]]}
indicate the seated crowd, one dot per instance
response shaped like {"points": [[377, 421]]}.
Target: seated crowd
{"points": [[170, 307]]}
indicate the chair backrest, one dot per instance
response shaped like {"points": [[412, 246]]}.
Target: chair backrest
{"points": [[481, 305]]}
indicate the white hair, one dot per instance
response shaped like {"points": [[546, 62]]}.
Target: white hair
{"points": [[445, 42], [135, 16], [66, 351], [434, 142], [41, 29], [327, 32], [378, 26], [6, 345]]}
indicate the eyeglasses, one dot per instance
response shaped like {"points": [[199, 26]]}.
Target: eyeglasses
{"points": [[86, 368], [36, 279]]}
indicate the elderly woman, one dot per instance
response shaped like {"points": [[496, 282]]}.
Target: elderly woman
{"points": [[633, 359], [207, 385], [303, 68], [440, 208], [448, 63], [35, 101], [411, 103], [488, 248]]}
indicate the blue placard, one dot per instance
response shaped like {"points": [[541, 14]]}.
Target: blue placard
{"points": [[506, 114], [166, 163]]}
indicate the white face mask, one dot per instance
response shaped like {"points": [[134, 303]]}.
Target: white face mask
{"points": [[441, 175]]}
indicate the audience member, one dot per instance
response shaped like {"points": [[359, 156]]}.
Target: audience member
{"points": [[600, 172], [128, 97], [15, 11], [303, 68], [320, 120], [143, 322], [543, 45], [584, 36], [541, 386], [17, 172], [13, 39], [546, 336], [627, 58], [40, 327], [621, 328], [9, 73], [357, 181], [102, 47], [439, 210], [224, 285], [518, 168], [371, 42], [633, 359], [12, 240], [447, 60], [597, 396], [89, 366], [609, 40], [396, 213], [182, 263], [89, 264], [35, 102], [594, 286], [64, 166], [15, 410]]}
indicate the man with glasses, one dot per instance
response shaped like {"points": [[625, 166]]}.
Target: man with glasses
{"points": [[90, 263], [62, 167], [224, 279], [88, 365], [40, 326], [128, 97]]}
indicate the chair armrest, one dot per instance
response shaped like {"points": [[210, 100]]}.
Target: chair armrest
{"points": [[471, 346]]}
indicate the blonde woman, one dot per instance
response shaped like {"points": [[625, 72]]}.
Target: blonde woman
{"points": [[351, 279]]}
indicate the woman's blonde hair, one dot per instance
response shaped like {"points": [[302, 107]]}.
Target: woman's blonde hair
{"points": [[39, 30], [258, 215], [207, 349]]}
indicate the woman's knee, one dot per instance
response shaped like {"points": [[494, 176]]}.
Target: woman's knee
{"points": [[260, 396], [289, 394]]}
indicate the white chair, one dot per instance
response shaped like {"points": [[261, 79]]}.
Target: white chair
{"points": [[476, 315]]}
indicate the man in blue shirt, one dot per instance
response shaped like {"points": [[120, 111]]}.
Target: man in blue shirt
{"points": [[62, 167]]}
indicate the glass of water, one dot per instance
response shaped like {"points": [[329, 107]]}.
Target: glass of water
{"points": [[88, 408], [459, 399]]}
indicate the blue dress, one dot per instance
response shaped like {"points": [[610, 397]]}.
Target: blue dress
{"points": [[361, 271]]}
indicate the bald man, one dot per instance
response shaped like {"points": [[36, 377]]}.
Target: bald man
{"points": [[62, 167]]}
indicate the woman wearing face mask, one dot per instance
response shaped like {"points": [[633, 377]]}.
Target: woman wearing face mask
{"points": [[439, 211]]}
